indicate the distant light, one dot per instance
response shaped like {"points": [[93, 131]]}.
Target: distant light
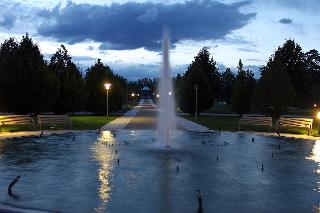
{"points": [[132, 94], [314, 105], [318, 115], [170, 93], [138, 95], [158, 95], [107, 86]]}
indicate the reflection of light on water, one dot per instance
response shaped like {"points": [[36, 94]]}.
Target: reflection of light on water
{"points": [[105, 158], [315, 156]]}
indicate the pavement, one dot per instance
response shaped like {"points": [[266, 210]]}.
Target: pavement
{"points": [[144, 116]]}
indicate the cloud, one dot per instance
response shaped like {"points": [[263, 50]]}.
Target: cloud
{"points": [[150, 15], [285, 21], [249, 50], [8, 20], [139, 25]]}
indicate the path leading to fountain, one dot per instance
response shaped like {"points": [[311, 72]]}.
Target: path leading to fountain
{"points": [[144, 116]]}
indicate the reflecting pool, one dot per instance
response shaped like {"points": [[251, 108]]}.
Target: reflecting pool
{"points": [[127, 171]]}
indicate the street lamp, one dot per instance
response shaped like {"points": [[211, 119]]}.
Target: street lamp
{"points": [[107, 86], [132, 95], [318, 117], [196, 111]]}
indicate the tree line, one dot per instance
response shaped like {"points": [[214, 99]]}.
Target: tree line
{"points": [[290, 78], [30, 84]]}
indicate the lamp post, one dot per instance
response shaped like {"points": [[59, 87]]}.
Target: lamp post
{"points": [[196, 111], [133, 99], [107, 86], [318, 117]]}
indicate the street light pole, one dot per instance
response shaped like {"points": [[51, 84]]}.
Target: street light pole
{"points": [[107, 86], [196, 111], [318, 116], [107, 103]]}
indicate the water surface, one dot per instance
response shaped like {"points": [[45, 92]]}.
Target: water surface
{"points": [[79, 172]]}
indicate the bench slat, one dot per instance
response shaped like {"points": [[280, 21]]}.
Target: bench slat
{"points": [[54, 119], [295, 122], [15, 119], [255, 120]]}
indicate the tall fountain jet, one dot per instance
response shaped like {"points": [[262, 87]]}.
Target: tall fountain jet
{"points": [[166, 119]]}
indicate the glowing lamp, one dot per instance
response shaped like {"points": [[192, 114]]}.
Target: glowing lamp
{"points": [[107, 86]]}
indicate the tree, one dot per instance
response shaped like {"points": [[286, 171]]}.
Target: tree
{"points": [[177, 84], [227, 84], [312, 59], [274, 91], [293, 59], [96, 77], [241, 100], [70, 83], [209, 67], [204, 73], [27, 85], [195, 75], [8, 56]]}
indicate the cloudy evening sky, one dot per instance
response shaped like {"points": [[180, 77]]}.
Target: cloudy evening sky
{"points": [[127, 34]]}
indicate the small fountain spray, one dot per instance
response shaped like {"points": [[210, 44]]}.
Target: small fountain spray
{"points": [[166, 119]]}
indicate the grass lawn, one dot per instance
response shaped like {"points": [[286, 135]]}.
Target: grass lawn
{"points": [[230, 123], [79, 122], [89, 122], [220, 108]]}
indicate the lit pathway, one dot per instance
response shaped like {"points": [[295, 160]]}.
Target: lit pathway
{"points": [[144, 116]]}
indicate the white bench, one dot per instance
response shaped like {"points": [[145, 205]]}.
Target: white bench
{"points": [[54, 119], [15, 119], [295, 122], [253, 120]]}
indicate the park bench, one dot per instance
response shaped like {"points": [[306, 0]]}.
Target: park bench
{"points": [[54, 119], [15, 120], [253, 120], [295, 122]]}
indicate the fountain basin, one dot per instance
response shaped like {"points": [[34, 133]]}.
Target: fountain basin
{"points": [[79, 172]]}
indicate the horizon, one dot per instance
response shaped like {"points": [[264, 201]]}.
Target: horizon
{"points": [[126, 35]]}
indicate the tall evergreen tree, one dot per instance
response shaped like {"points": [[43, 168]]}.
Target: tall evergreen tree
{"points": [[203, 72], [71, 94], [96, 77], [27, 86], [312, 59], [195, 76], [292, 58], [209, 67], [227, 84], [241, 101], [274, 91]]}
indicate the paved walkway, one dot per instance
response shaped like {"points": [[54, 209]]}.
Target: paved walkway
{"points": [[144, 116]]}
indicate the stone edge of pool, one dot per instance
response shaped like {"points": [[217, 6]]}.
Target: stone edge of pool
{"points": [[22, 134], [7, 208]]}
